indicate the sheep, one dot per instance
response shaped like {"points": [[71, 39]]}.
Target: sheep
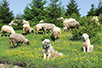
{"points": [[17, 38], [27, 28], [86, 43], [56, 32], [42, 21], [25, 22], [70, 23], [7, 29], [12, 22], [96, 19], [44, 26]]}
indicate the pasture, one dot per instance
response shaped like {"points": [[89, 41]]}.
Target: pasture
{"points": [[31, 56]]}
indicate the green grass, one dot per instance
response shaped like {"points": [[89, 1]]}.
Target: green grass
{"points": [[32, 54]]}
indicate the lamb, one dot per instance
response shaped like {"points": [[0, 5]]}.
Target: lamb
{"points": [[70, 23], [56, 32], [86, 43], [44, 26], [17, 38], [27, 28], [7, 29]]}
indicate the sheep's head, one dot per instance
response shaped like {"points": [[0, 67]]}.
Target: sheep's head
{"points": [[65, 29], [27, 42], [85, 36]]}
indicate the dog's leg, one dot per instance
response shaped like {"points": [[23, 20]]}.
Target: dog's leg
{"points": [[88, 47], [44, 56], [84, 49], [49, 55]]}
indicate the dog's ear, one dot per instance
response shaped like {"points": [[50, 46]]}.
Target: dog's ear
{"points": [[43, 42]]}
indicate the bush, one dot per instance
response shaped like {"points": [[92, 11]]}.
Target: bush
{"points": [[89, 27], [100, 18], [47, 36]]}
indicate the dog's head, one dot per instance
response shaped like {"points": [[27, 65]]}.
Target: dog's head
{"points": [[85, 36], [46, 43]]}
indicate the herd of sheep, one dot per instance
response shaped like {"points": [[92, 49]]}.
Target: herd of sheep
{"points": [[56, 31]]}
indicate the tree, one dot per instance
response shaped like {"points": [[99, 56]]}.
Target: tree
{"points": [[98, 11], [53, 11], [35, 10], [72, 7], [92, 11], [5, 14]]}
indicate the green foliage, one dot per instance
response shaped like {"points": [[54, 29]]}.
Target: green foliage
{"points": [[72, 7], [5, 14], [47, 36], [100, 18], [92, 11], [53, 11], [35, 11], [87, 26]]}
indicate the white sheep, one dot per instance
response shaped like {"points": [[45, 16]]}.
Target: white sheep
{"points": [[96, 19], [27, 28], [70, 23], [86, 43], [7, 29], [56, 32], [17, 38], [25, 22], [44, 26], [12, 22]]}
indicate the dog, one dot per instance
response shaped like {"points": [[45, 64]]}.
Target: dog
{"points": [[86, 43], [48, 50]]}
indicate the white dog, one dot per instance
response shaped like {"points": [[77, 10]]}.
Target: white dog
{"points": [[86, 43], [49, 51]]}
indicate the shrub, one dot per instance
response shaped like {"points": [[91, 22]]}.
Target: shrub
{"points": [[89, 27], [100, 18]]}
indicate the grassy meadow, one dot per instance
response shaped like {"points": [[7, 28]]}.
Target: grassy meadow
{"points": [[31, 56]]}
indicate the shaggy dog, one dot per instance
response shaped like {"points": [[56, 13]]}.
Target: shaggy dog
{"points": [[86, 43], [49, 51]]}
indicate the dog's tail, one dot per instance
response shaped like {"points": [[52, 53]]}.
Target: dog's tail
{"points": [[60, 54]]}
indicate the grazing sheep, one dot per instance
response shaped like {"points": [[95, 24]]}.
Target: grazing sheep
{"points": [[70, 23], [26, 22], [96, 19], [17, 38], [48, 50], [44, 26], [12, 22], [86, 43], [7, 29], [27, 28], [56, 32]]}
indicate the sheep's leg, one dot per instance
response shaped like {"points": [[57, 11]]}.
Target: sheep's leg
{"points": [[44, 56], [10, 41], [84, 49], [45, 31], [13, 43], [87, 49]]}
